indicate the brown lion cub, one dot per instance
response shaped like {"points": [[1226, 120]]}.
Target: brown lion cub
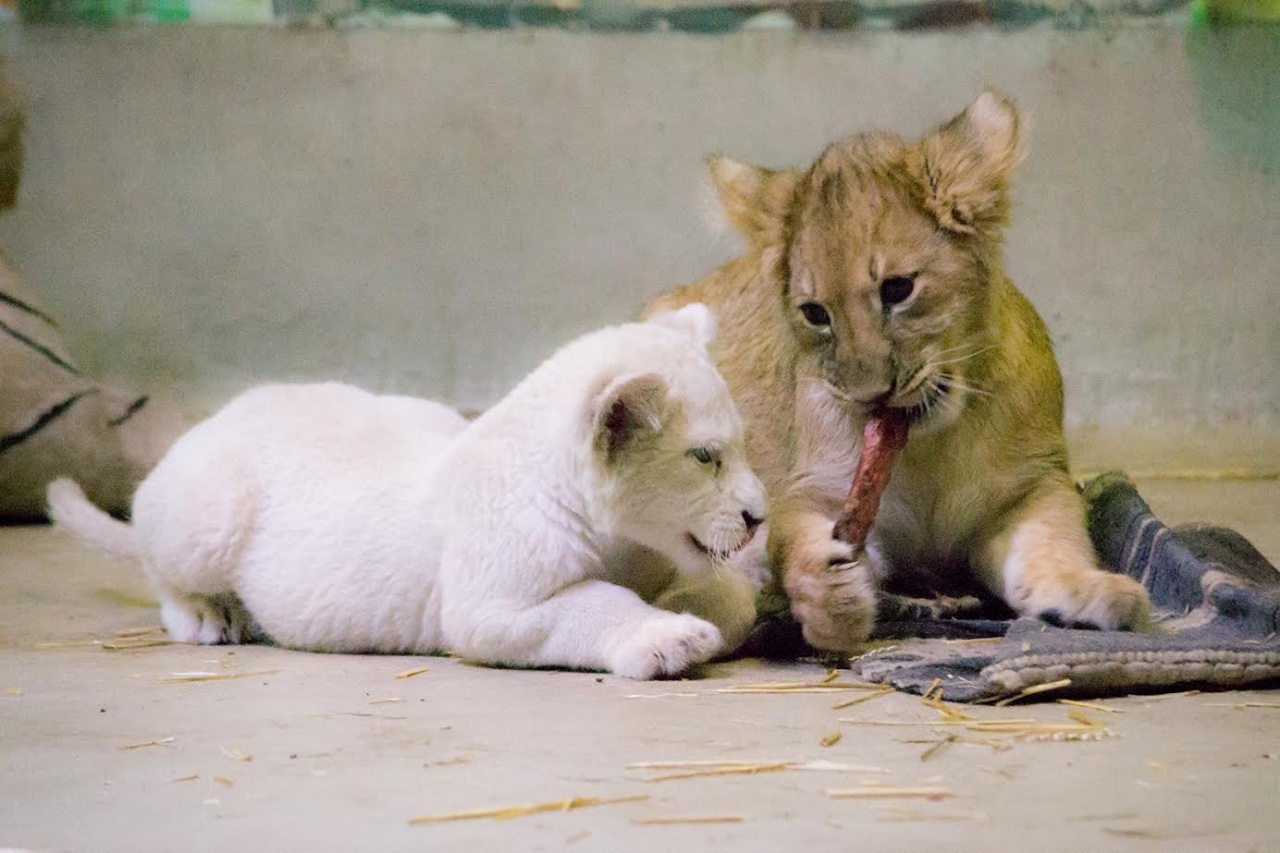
{"points": [[874, 280]]}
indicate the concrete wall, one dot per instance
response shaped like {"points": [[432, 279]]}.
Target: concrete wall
{"points": [[433, 212]]}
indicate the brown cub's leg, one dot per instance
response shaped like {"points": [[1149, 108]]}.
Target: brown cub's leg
{"points": [[1042, 564], [831, 588]]}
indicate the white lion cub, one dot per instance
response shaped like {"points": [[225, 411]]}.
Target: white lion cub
{"points": [[326, 518]]}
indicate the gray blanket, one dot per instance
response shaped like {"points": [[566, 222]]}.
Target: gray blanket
{"points": [[1217, 611]]}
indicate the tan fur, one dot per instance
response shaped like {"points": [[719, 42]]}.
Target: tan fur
{"points": [[982, 490]]}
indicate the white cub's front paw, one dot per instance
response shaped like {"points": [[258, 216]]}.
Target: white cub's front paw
{"points": [[666, 644], [204, 621]]}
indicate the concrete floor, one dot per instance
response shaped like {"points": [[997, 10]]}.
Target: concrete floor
{"points": [[99, 752]]}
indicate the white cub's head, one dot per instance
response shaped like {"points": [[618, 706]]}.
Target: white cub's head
{"points": [[669, 439]]}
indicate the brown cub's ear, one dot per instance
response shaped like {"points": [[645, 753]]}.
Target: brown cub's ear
{"points": [[627, 409], [963, 167], [756, 200]]}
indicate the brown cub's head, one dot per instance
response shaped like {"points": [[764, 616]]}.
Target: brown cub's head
{"points": [[885, 254]]}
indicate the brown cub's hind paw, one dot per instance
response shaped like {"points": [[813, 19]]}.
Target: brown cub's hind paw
{"points": [[1101, 601]]}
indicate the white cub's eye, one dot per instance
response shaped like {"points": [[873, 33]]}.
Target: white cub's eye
{"points": [[704, 455]]}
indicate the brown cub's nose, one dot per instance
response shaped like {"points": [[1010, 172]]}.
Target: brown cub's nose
{"points": [[751, 522]]}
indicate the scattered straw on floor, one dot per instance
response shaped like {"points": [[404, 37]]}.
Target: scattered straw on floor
{"points": [[410, 673], [235, 754], [508, 812], [1082, 727], [830, 739]]}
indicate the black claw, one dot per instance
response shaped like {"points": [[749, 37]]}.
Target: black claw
{"points": [[1054, 617]]}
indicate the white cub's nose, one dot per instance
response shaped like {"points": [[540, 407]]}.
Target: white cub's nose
{"points": [[751, 521]]}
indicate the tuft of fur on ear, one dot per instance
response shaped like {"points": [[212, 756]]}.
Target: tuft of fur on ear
{"points": [[964, 166], [627, 409], [755, 199], [695, 320]]}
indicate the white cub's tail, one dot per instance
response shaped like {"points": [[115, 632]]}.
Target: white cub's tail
{"points": [[69, 507]]}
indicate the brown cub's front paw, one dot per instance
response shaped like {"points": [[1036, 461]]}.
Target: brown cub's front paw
{"points": [[834, 602], [1097, 599]]}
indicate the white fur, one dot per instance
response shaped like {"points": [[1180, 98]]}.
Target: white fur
{"points": [[327, 518]]}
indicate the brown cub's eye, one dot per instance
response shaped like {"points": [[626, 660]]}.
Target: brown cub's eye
{"points": [[896, 289], [815, 314]]}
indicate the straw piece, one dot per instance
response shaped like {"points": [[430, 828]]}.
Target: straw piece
{"points": [[213, 676], [507, 812], [1024, 721], [679, 819], [904, 816], [830, 739], [799, 687], [1033, 690], [682, 765], [1240, 706], [732, 770], [235, 754], [13, 691], [948, 712], [1094, 706], [161, 742], [1083, 719], [390, 700], [938, 747], [135, 643], [410, 673], [730, 767], [223, 780], [869, 792], [191, 778], [858, 700], [1160, 697]]}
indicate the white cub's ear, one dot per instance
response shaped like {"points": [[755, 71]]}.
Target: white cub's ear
{"points": [[627, 409], [695, 320]]}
